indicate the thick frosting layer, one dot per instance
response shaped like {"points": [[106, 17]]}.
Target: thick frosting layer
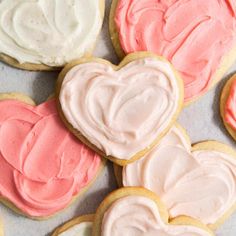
{"points": [[230, 107], [193, 35], [139, 216], [42, 165], [199, 184], [82, 229], [120, 112], [48, 32]]}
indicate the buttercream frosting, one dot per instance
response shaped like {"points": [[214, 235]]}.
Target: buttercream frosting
{"points": [[200, 184], [193, 35], [82, 229], [42, 165], [139, 216], [230, 107], [49, 32], [120, 112]]}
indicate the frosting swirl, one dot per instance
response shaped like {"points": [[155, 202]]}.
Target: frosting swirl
{"points": [[48, 32], [42, 165], [200, 184], [230, 107], [193, 35], [120, 112], [137, 215]]}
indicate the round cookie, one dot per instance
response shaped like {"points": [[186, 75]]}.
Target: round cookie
{"points": [[228, 106], [43, 167], [120, 111], [137, 211], [80, 226], [198, 181], [201, 45], [46, 35]]}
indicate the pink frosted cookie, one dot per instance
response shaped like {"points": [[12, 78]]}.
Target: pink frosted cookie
{"points": [[228, 106], [42, 166], [198, 181], [197, 37]]}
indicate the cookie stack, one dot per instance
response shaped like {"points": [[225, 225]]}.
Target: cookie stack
{"points": [[125, 113]]}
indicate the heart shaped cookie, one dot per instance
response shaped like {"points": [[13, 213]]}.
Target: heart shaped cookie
{"points": [[80, 226], [120, 111], [45, 35], [137, 211], [197, 37], [43, 167], [228, 106], [198, 181]]}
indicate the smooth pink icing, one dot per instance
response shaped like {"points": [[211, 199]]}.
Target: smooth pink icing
{"points": [[193, 35], [42, 165], [230, 107]]}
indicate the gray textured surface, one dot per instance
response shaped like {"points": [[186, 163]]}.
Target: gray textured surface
{"points": [[201, 119]]}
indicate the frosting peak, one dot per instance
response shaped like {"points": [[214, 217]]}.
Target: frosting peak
{"points": [[42, 165]]}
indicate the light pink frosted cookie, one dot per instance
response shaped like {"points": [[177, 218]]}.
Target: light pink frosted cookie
{"points": [[120, 111], [197, 181], [137, 211]]}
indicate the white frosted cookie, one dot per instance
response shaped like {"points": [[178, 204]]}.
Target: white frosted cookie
{"points": [[42, 34]]}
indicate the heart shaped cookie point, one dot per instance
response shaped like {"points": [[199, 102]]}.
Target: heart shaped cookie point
{"points": [[41, 35], [197, 37], [199, 182], [120, 111], [42, 166], [137, 211]]}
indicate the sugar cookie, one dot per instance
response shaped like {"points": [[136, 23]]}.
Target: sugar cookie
{"points": [[228, 106], [197, 181], [120, 111], [42, 166], [45, 35], [198, 37], [137, 211]]}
